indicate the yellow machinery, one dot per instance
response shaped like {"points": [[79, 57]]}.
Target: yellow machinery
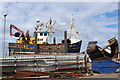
{"points": [[31, 41]]}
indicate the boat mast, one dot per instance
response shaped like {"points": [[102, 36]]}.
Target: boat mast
{"points": [[50, 30], [35, 34], [72, 27]]}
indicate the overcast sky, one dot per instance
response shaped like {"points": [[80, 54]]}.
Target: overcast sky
{"points": [[93, 20]]}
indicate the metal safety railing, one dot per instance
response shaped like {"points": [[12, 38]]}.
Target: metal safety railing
{"points": [[41, 62]]}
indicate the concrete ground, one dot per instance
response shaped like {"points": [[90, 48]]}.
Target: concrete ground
{"points": [[108, 75]]}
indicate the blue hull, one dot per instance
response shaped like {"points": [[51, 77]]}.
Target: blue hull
{"points": [[74, 48]]}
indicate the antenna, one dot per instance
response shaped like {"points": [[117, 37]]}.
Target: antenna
{"points": [[72, 20], [72, 26]]}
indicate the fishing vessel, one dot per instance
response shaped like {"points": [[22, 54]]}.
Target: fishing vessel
{"points": [[43, 41]]}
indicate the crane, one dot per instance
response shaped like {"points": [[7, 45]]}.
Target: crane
{"points": [[49, 27], [17, 34], [58, 30]]}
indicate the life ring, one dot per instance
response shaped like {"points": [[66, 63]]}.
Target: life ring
{"points": [[33, 41]]}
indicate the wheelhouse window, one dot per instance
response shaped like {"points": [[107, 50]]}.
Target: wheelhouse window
{"points": [[41, 34], [41, 39], [45, 34]]}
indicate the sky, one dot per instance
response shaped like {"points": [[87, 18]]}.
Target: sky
{"points": [[95, 21]]}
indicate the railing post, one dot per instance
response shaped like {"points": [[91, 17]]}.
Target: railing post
{"points": [[65, 41]]}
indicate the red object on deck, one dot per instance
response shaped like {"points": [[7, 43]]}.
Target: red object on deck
{"points": [[77, 32]]}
